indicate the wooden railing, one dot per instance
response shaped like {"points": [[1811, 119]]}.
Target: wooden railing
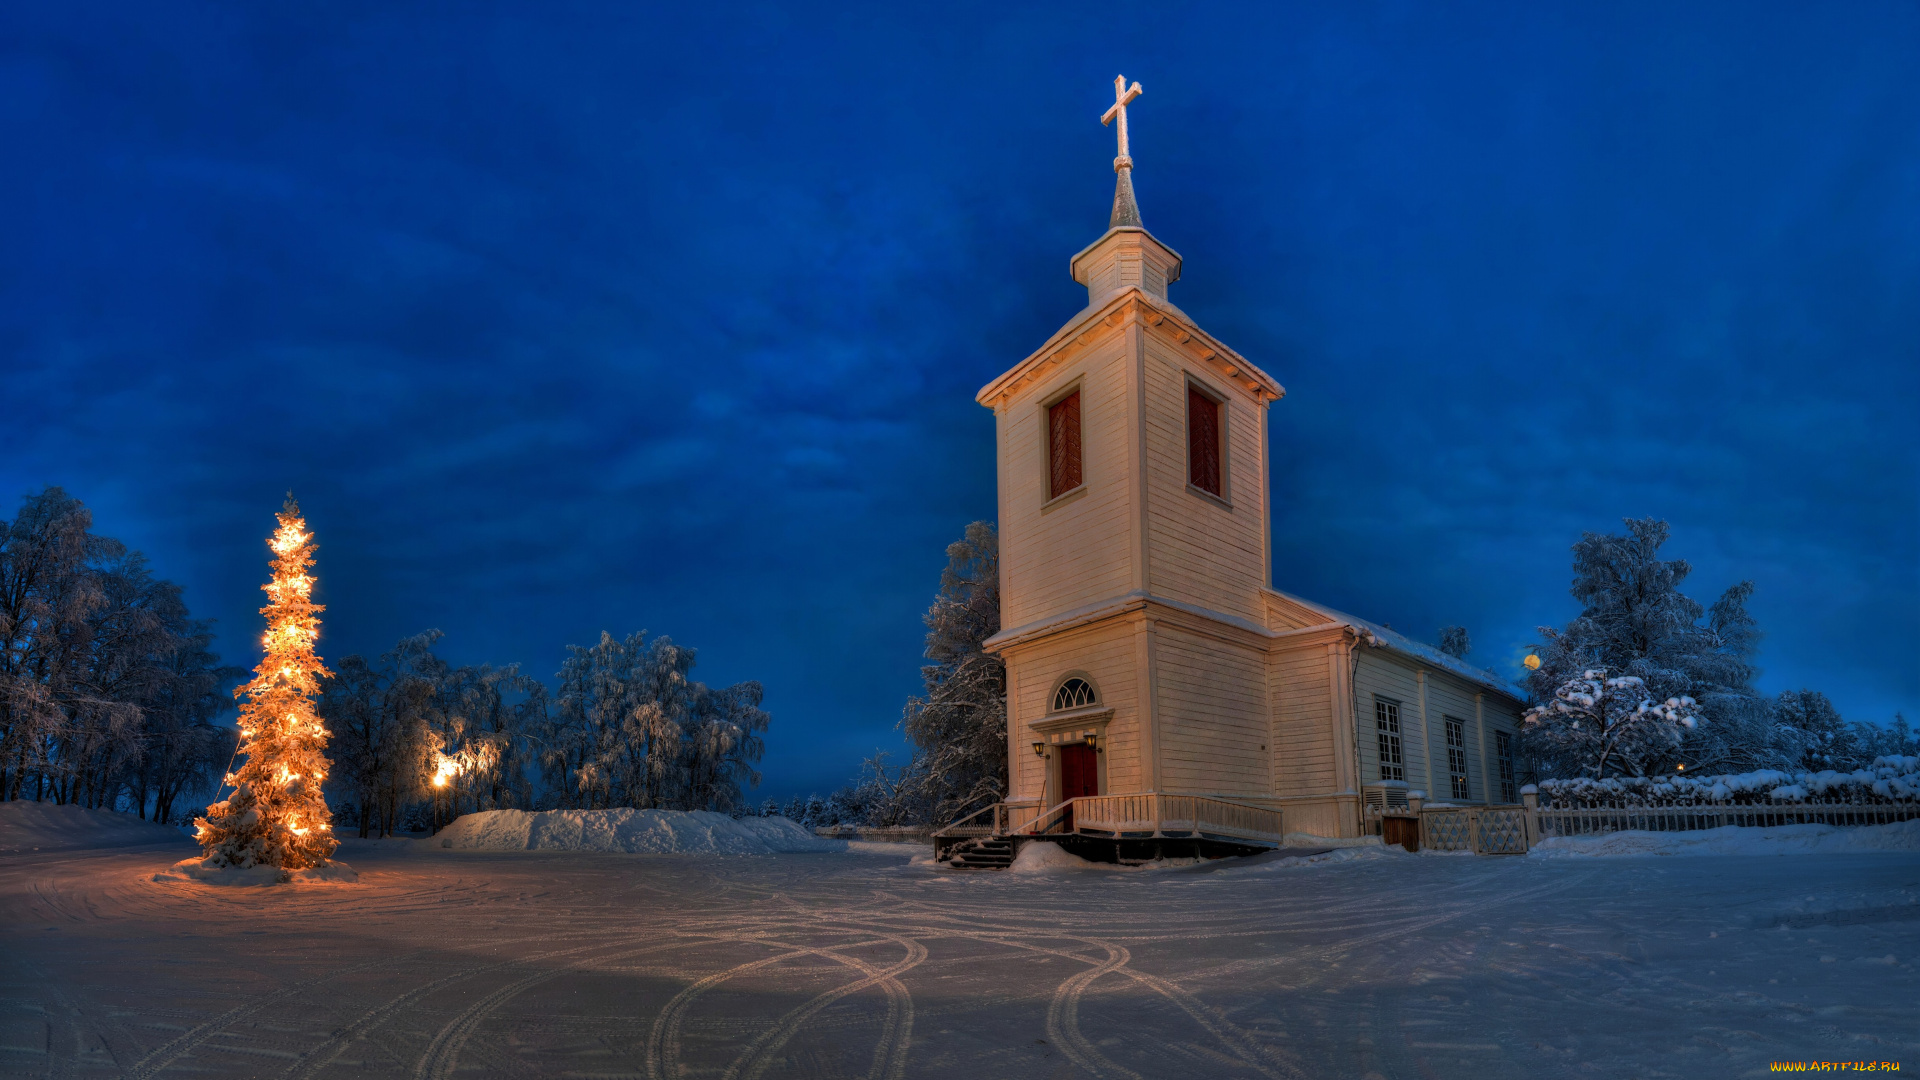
{"points": [[1021, 814], [1151, 814], [985, 821], [994, 819]]}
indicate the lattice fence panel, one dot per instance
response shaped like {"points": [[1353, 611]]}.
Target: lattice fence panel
{"points": [[1447, 830], [1501, 832]]}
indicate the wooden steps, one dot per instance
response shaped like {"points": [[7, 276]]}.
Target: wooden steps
{"points": [[986, 853]]}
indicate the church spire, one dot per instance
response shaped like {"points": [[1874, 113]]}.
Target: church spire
{"points": [[1126, 255], [1126, 212]]}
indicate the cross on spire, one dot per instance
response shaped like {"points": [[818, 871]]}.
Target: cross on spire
{"points": [[1122, 94], [1126, 213]]}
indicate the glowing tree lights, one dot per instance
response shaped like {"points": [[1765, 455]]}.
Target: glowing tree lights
{"points": [[277, 815]]}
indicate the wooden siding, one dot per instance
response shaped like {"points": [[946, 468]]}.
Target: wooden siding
{"points": [[1302, 745], [1378, 673], [1105, 652], [1199, 551], [1213, 716], [1392, 675], [1284, 614], [1078, 551], [1321, 817], [1450, 697]]}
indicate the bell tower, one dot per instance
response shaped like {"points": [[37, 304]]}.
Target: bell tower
{"points": [[1134, 548]]}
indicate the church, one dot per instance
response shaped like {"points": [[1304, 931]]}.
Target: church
{"points": [[1158, 686]]}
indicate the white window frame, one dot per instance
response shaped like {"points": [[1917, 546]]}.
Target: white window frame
{"points": [[1459, 781], [1386, 724]]}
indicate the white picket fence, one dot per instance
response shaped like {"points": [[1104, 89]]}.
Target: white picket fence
{"points": [[1587, 820], [1513, 830]]}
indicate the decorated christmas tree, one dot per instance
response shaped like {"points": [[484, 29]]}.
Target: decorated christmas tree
{"points": [[277, 815]]}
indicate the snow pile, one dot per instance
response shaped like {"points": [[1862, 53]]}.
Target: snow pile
{"points": [[43, 826], [333, 873], [633, 832], [1305, 839], [1737, 840], [1041, 857], [1352, 852], [1891, 777]]}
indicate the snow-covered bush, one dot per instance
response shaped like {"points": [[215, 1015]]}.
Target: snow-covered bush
{"points": [[1890, 778], [1811, 734], [1609, 725], [1635, 620]]}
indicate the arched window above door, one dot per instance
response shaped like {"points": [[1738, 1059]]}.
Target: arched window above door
{"points": [[1075, 693]]}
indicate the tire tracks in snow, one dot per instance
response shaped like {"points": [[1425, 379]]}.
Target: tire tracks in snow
{"points": [[663, 1042], [324, 1054], [166, 1054], [443, 1053]]}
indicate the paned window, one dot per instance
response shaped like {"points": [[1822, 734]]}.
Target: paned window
{"points": [[1457, 758], [1063, 445], [1203, 441], [1386, 722], [1073, 694], [1503, 750]]}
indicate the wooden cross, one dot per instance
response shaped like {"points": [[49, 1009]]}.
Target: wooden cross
{"points": [[1122, 94]]}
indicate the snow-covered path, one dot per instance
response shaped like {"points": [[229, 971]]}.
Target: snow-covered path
{"points": [[444, 963]]}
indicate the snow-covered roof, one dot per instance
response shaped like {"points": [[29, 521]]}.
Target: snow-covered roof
{"points": [[1418, 650]]}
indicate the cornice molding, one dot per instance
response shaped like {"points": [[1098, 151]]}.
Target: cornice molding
{"points": [[1230, 627], [1169, 323], [1057, 723]]}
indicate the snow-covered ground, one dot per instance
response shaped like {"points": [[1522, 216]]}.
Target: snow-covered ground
{"points": [[1903, 837], [1360, 962]]}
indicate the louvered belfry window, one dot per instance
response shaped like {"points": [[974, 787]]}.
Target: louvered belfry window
{"points": [[1063, 445], [1203, 441]]}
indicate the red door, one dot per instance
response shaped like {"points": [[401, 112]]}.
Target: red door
{"points": [[1079, 771], [1079, 775]]}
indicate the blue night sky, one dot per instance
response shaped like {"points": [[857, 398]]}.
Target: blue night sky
{"points": [[571, 317]]}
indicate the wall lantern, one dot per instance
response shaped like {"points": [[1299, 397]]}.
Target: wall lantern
{"points": [[1040, 749], [1093, 742]]}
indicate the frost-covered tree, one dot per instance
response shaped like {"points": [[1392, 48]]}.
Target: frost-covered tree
{"points": [[1609, 725], [1896, 739], [882, 796], [481, 713], [1635, 621], [722, 740], [183, 750], [108, 688], [959, 724], [60, 725], [1811, 734], [1454, 642], [413, 719], [382, 722], [277, 814], [630, 727], [615, 739]]}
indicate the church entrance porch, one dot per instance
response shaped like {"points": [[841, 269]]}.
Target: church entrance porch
{"points": [[1111, 828], [1079, 777]]}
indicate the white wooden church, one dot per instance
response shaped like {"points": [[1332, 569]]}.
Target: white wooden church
{"points": [[1158, 686]]}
